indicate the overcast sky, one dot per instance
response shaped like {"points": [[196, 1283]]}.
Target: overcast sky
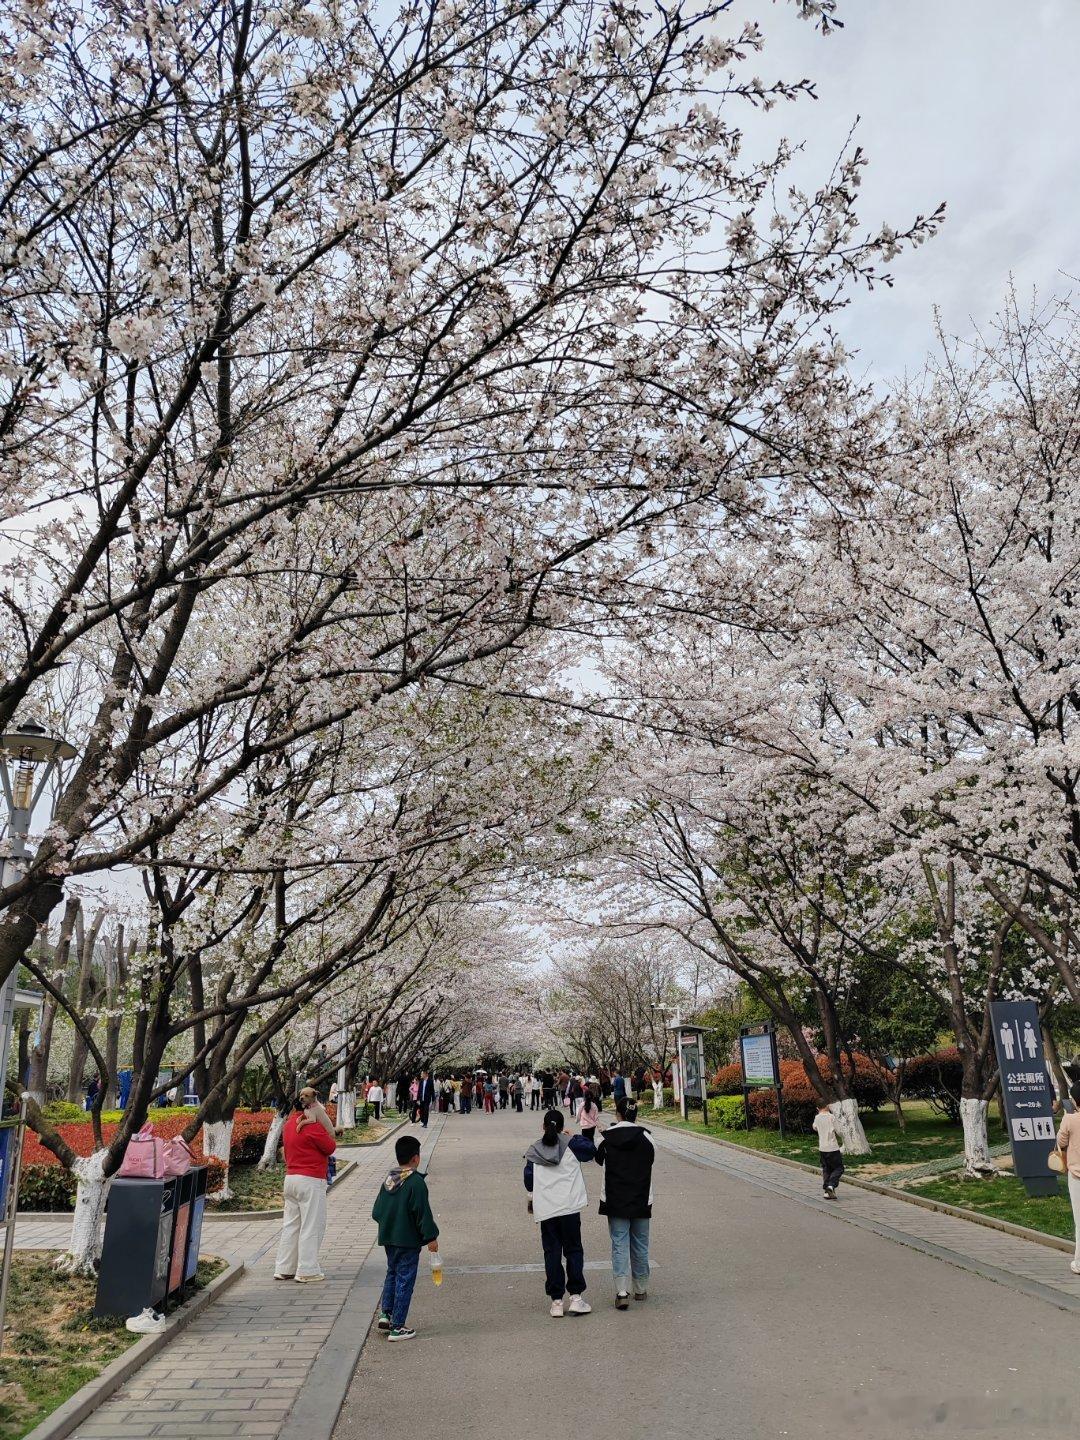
{"points": [[969, 101]]}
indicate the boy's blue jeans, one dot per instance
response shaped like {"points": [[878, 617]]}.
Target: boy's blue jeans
{"points": [[629, 1253], [401, 1264]]}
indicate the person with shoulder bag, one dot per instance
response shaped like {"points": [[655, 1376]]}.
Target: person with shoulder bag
{"points": [[308, 1138], [1068, 1144]]}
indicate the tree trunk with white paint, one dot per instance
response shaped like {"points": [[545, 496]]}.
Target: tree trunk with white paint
{"points": [[217, 1142], [849, 1127], [84, 1247], [346, 1110], [273, 1141], [977, 1162]]}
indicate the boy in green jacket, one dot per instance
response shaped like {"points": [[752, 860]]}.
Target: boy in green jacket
{"points": [[406, 1225]]}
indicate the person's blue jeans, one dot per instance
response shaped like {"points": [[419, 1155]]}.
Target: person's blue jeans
{"points": [[401, 1265], [629, 1253]]}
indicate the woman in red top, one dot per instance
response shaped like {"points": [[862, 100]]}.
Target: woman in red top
{"points": [[309, 1142]]}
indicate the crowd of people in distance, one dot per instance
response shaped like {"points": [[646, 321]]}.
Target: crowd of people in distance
{"points": [[419, 1096]]}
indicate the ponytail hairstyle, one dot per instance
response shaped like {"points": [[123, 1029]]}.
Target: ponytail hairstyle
{"points": [[626, 1109], [554, 1124]]}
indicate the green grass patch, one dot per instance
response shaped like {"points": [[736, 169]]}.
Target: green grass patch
{"points": [[1005, 1199], [253, 1189], [369, 1134], [53, 1345], [928, 1136]]}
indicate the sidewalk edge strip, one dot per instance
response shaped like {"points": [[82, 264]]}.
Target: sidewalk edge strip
{"points": [[78, 1407], [317, 1406], [924, 1202]]}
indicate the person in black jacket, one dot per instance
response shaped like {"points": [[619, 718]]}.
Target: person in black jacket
{"points": [[626, 1153], [425, 1096]]}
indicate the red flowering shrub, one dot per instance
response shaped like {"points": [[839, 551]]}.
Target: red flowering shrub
{"points": [[215, 1175], [248, 1138], [800, 1097], [728, 1080]]}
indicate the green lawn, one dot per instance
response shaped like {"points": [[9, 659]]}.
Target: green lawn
{"points": [[928, 1136], [1005, 1199], [53, 1344]]}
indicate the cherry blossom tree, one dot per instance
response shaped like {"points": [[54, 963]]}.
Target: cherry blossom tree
{"points": [[354, 348]]}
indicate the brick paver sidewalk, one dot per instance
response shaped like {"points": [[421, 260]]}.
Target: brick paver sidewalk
{"points": [[1023, 1265], [239, 1368]]}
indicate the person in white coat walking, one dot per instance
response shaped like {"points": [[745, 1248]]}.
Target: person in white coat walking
{"points": [[554, 1179]]}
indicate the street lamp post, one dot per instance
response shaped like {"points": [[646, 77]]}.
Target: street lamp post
{"points": [[28, 757]]}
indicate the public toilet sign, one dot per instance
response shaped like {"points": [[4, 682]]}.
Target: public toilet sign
{"points": [[759, 1065], [1025, 1091]]}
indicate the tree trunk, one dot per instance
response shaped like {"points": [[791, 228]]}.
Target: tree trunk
{"points": [[273, 1142], [39, 1054], [850, 1127], [346, 1115], [84, 1247], [24, 1047], [217, 1142], [977, 1162]]}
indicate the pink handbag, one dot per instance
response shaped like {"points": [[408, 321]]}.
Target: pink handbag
{"points": [[179, 1156], [144, 1158]]}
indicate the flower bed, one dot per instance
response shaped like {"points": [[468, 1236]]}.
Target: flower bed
{"points": [[46, 1185]]}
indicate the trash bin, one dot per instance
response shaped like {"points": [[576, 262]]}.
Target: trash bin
{"points": [[137, 1248], [198, 1210]]}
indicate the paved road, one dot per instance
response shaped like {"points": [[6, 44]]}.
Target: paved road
{"points": [[765, 1318]]}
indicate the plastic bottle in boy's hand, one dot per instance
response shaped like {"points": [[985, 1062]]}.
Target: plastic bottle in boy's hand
{"points": [[435, 1261]]}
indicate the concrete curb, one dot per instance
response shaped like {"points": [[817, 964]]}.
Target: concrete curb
{"points": [[316, 1408], [70, 1415], [990, 1222]]}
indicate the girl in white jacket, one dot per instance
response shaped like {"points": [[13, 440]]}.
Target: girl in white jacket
{"points": [[553, 1176]]}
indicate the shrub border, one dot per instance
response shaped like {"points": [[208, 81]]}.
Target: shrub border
{"points": [[78, 1407]]}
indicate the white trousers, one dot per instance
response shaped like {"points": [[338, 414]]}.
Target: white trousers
{"points": [[304, 1226], [1074, 1200]]}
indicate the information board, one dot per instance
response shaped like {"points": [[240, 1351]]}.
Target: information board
{"points": [[758, 1061], [1025, 1089], [692, 1070]]}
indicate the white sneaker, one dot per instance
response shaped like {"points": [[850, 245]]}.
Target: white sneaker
{"points": [[557, 1311], [578, 1306], [148, 1322], [1074, 1266]]}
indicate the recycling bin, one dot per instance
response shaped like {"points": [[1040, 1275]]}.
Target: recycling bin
{"points": [[137, 1250], [198, 1210]]}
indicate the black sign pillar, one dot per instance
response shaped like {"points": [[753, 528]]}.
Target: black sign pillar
{"points": [[1025, 1091]]}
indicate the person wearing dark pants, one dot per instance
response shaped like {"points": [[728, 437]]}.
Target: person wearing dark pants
{"points": [[832, 1161], [425, 1097], [561, 1240], [554, 1180]]}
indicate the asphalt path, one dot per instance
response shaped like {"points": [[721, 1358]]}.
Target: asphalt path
{"points": [[765, 1318]]}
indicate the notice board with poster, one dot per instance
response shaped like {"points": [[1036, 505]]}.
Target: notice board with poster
{"points": [[1025, 1091], [759, 1065], [692, 1076]]}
